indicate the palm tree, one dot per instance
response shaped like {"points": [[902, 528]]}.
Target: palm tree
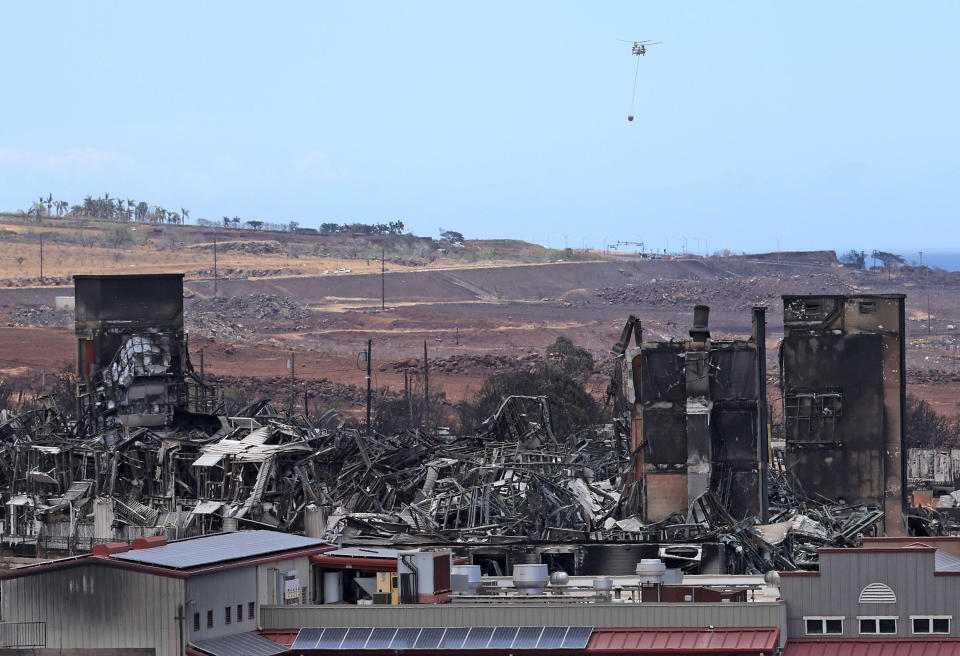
{"points": [[185, 214], [49, 203], [142, 210], [226, 222], [236, 220], [62, 206], [88, 206]]}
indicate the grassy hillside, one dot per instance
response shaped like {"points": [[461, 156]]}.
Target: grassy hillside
{"points": [[86, 245]]}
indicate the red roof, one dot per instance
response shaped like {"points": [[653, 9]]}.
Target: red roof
{"points": [[874, 647], [683, 641]]}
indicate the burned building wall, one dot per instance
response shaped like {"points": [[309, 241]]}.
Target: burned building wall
{"points": [[131, 350], [842, 377], [699, 421]]}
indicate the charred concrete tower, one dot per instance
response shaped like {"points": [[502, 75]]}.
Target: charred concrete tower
{"points": [[699, 420], [131, 350], [844, 395]]}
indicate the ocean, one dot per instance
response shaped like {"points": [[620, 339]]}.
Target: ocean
{"points": [[948, 260]]}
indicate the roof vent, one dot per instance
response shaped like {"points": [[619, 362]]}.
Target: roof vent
{"points": [[148, 543], [110, 548], [878, 593]]}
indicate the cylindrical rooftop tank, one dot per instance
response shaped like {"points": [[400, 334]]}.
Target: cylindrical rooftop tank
{"points": [[530, 579], [650, 571], [314, 521], [474, 580], [602, 586]]}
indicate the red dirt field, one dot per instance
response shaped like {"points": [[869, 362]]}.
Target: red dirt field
{"points": [[511, 311]]}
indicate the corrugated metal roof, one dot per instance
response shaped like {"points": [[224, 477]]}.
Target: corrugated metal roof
{"points": [[874, 647], [218, 548], [207, 507], [683, 641], [363, 552], [240, 644]]}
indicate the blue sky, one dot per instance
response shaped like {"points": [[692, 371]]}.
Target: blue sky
{"points": [[818, 124]]}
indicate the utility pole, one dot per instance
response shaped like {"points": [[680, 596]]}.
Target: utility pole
{"points": [[215, 266], [203, 384], [291, 365], [426, 384], [369, 395], [383, 284], [41, 259], [458, 335], [406, 392]]}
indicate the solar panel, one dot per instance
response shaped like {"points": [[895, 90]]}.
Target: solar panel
{"points": [[404, 639], [552, 637], [307, 638], [429, 639], [438, 638], [380, 638], [503, 637], [478, 638], [332, 637], [577, 637], [527, 637], [206, 549], [355, 638], [453, 638], [249, 644]]}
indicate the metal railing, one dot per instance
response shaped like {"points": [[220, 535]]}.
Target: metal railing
{"points": [[23, 634]]}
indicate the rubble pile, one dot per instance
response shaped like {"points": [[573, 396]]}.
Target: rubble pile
{"points": [[469, 363], [248, 246], [40, 316], [733, 293], [36, 280], [513, 479], [243, 272], [272, 307], [213, 472], [230, 317]]}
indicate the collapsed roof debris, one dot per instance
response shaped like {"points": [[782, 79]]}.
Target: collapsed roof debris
{"points": [[151, 454]]}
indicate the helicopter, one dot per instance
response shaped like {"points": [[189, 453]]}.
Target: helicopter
{"points": [[639, 49]]}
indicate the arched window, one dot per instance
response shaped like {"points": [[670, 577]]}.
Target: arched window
{"points": [[878, 593]]}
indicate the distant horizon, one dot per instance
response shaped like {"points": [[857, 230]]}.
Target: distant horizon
{"points": [[943, 258]]}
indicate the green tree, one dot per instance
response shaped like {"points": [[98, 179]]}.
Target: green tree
{"points": [[452, 236], [571, 407], [255, 225], [571, 359]]}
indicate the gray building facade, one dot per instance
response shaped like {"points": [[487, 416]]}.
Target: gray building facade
{"points": [[911, 592], [160, 599]]}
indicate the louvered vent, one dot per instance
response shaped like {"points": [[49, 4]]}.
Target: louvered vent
{"points": [[877, 593]]}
